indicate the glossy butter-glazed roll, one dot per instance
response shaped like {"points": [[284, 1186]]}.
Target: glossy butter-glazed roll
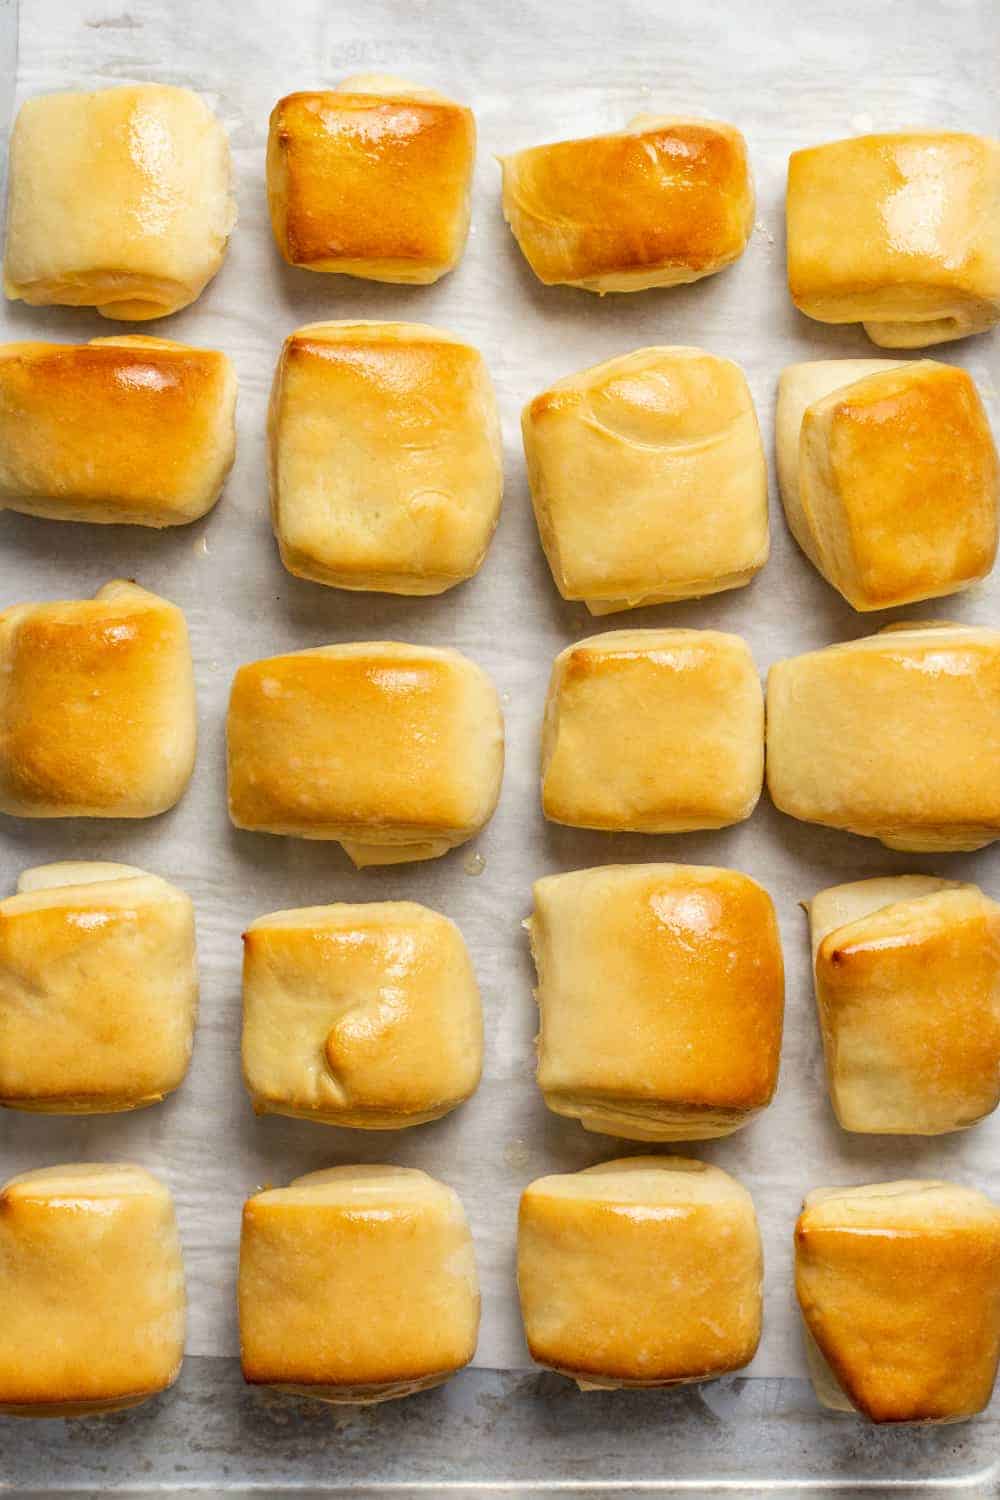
{"points": [[119, 200]]}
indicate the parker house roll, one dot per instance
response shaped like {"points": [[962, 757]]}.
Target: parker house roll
{"points": [[121, 430], [640, 1272], [119, 200], [889, 478], [899, 1288], [357, 1284], [895, 736], [666, 200], [692, 754], [98, 989], [661, 997], [394, 751], [900, 232], [371, 179], [97, 707], [359, 1015], [91, 1291], [386, 465], [648, 479], [907, 971]]}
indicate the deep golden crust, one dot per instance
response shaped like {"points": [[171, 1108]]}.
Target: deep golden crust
{"points": [[376, 744], [97, 711], [118, 200], [899, 1285], [91, 1290], [894, 736], [381, 1255], [661, 996], [899, 231], [360, 1015], [371, 184], [118, 430], [693, 752], [660, 202], [633, 1274], [385, 457]]}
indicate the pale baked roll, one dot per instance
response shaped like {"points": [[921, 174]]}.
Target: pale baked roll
{"points": [[889, 477], [641, 1272], [371, 179], [899, 231], [359, 1015], [121, 430], [92, 1300], [648, 479], [666, 200], [899, 1288], [394, 751], [385, 457], [98, 989], [894, 736], [97, 706], [907, 972], [356, 1284], [119, 200], [692, 754], [660, 997]]}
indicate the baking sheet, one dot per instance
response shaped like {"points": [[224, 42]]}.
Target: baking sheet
{"points": [[788, 75]]}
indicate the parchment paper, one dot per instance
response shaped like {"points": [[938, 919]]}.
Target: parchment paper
{"points": [[532, 73]]}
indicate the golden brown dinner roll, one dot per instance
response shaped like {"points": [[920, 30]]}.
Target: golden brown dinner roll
{"points": [[357, 1284], [640, 1272], [692, 751], [386, 466], [664, 201], [648, 479], [97, 709], [394, 751], [661, 995], [98, 989], [359, 1015], [889, 477], [126, 429], [899, 1287], [91, 1291], [895, 736], [907, 972], [899, 231], [118, 200], [371, 179]]}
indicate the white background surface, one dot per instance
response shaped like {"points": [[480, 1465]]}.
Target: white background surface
{"points": [[531, 73]]}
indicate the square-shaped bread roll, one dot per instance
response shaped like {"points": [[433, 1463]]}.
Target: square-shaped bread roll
{"points": [[91, 1291], [895, 736], [394, 751], [97, 708], [899, 1288], [121, 430], [641, 1272], [386, 465], [648, 479], [898, 231], [119, 200], [371, 179], [357, 1284], [907, 972], [889, 477], [693, 753], [661, 998], [98, 989], [666, 200], [359, 1015]]}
